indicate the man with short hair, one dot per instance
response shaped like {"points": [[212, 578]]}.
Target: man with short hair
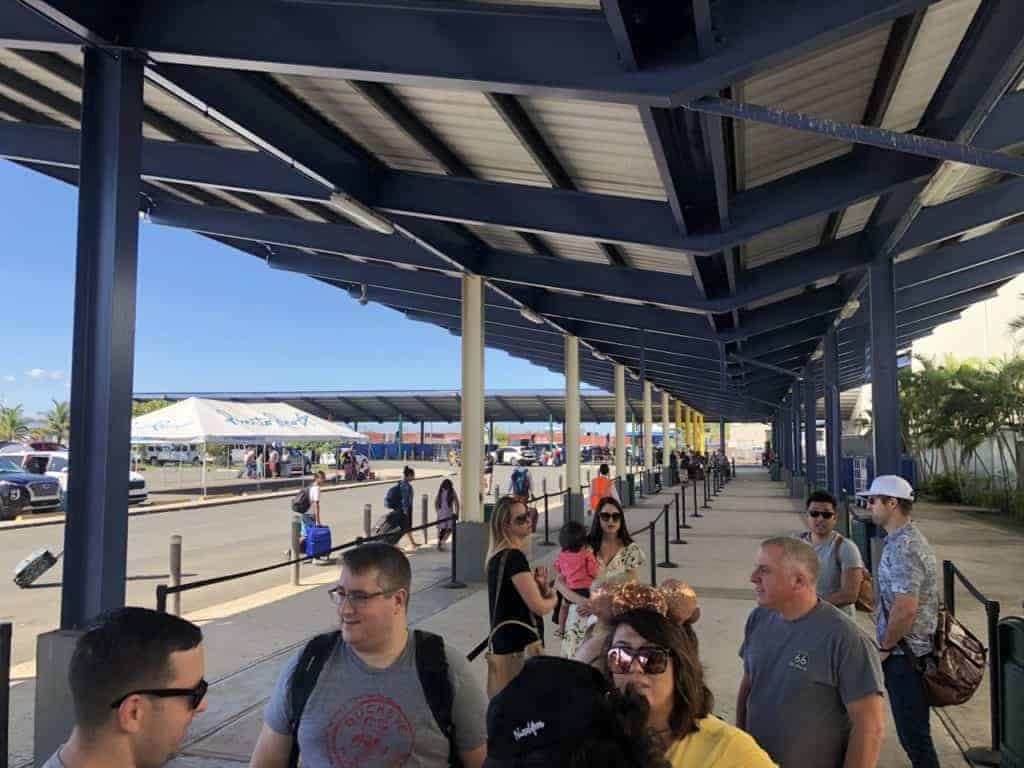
{"points": [[136, 680], [812, 681], [840, 566], [906, 614], [374, 694], [311, 516]]}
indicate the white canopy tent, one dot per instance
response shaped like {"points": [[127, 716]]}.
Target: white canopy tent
{"points": [[200, 421]]}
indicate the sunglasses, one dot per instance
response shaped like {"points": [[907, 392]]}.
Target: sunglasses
{"points": [[652, 660], [520, 519], [608, 516], [355, 599], [816, 513], [196, 695]]}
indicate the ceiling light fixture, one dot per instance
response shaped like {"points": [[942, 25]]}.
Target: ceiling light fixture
{"points": [[530, 315], [363, 298], [598, 355], [849, 309], [361, 214], [633, 374]]}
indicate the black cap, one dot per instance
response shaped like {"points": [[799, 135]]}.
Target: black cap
{"points": [[552, 703]]}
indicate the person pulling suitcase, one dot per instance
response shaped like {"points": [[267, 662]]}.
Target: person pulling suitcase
{"points": [[306, 504]]}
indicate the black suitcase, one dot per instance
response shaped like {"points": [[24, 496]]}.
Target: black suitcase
{"points": [[390, 528], [34, 566]]}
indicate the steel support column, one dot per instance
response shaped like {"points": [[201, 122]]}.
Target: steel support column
{"points": [[665, 446], [833, 418], [884, 397], [648, 417], [96, 532], [810, 431], [620, 421], [721, 434], [571, 428], [786, 434], [798, 462], [472, 399]]}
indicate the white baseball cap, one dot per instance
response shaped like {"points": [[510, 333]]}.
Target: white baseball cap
{"points": [[890, 485]]}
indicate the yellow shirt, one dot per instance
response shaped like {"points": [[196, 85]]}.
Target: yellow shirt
{"points": [[717, 744]]}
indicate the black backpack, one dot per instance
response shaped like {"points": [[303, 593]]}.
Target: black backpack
{"points": [[393, 498], [431, 667], [300, 502]]}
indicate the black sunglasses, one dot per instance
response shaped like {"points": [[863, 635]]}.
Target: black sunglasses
{"points": [[607, 516], [520, 519], [816, 513], [196, 695], [652, 659]]}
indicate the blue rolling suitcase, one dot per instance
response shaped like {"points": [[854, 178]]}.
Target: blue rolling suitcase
{"points": [[318, 541]]}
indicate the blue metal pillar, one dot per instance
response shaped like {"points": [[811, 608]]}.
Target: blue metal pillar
{"points": [[810, 429], [787, 432], [798, 463], [96, 531], [833, 418], [884, 394], [721, 433]]}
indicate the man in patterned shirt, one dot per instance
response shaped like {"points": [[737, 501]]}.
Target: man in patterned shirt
{"points": [[906, 614]]}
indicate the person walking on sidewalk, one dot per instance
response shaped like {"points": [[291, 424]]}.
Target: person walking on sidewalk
{"points": [[907, 613], [811, 693], [840, 567], [399, 499], [372, 692], [446, 504], [136, 680], [602, 487]]}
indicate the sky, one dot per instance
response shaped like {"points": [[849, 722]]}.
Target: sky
{"points": [[208, 317]]}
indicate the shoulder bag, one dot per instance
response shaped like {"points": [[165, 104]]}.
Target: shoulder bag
{"points": [[952, 672], [503, 667], [866, 595]]}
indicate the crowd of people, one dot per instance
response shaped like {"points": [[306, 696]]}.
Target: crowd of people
{"points": [[626, 686]]}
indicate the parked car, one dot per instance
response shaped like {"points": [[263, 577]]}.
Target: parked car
{"points": [[297, 462], [172, 453], [22, 491], [55, 464]]}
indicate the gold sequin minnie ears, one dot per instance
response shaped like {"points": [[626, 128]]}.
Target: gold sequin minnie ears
{"points": [[675, 600]]}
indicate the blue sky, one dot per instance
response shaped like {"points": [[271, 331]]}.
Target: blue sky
{"points": [[209, 317]]}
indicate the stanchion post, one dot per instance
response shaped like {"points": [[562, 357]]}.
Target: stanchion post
{"points": [[296, 553], [161, 598], [667, 562], [706, 505], [696, 510], [547, 530], [994, 674], [367, 519], [455, 583], [948, 591], [175, 572], [679, 538], [654, 553], [424, 508]]}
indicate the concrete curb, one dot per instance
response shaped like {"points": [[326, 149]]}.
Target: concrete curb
{"points": [[212, 502]]}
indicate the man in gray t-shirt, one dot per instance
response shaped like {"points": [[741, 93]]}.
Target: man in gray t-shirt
{"points": [[368, 707], [839, 574], [812, 682]]}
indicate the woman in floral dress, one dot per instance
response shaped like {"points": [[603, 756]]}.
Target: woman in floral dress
{"points": [[620, 559]]}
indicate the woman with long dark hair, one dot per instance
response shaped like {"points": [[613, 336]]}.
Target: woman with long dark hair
{"points": [[446, 504], [619, 558]]}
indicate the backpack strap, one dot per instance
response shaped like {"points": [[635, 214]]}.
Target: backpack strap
{"points": [[303, 681], [432, 668]]}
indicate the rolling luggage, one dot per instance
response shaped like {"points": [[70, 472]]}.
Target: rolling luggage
{"points": [[390, 527], [34, 566], [318, 541]]}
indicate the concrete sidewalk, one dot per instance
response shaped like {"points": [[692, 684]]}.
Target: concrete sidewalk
{"points": [[717, 561]]}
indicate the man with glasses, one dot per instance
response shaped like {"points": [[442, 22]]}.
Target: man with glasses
{"points": [[374, 693], [136, 679], [906, 614], [840, 566], [811, 693]]}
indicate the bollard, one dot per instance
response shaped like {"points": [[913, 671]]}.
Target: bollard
{"points": [[367, 519], [678, 539], [424, 508], [547, 535], [588, 478], [161, 598], [682, 497], [667, 562], [296, 552], [455, 583], [175, 571], [654, 553], [5, 687], [696, 510], [560, 483]]}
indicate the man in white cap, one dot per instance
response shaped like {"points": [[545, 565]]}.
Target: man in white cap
{"points": [[906, 613]]}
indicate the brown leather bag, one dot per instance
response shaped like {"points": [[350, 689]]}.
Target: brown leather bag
{"points": [[953, 670], [866, 595]]}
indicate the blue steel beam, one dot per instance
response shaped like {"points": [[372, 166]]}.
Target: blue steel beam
{"points": [[504, 404], [810, 400], [463, 45], [96, 531]]}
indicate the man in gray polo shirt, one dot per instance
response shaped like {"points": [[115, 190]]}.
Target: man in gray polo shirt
{"points": [[811, 693]]}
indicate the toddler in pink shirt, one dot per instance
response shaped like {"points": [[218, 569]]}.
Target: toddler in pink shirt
{"points": [[577, 566]]}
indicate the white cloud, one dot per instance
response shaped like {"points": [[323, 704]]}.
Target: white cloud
{"points": [[42, 373], [9, 379]]}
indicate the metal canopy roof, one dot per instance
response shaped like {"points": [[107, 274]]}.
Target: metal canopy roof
{"points": [[695, 190], [513, 405]]}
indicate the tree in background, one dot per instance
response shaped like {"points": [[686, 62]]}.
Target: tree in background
{"points": [[58, 421], [140, 408], [13, 424]]}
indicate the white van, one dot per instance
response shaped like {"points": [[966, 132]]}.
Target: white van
{"points": [[171, 453]]}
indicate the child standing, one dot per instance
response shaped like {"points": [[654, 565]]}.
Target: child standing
{"points": [[576, 565]]}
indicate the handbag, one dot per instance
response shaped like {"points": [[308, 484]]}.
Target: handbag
{"points": [[952, 672], [503, 667], [866, 596]]}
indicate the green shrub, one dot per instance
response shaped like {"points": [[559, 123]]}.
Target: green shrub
{"points": [[943, 488]]}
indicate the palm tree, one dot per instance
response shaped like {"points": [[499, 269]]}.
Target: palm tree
{"points": [[13, 424], [58, 420]]}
